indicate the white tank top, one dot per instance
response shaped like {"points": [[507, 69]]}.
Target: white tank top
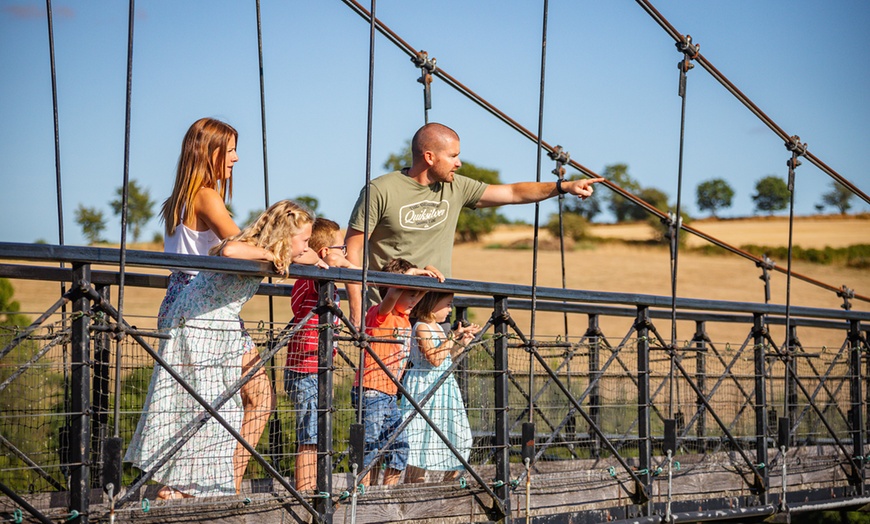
{"points": [[186, 241]]}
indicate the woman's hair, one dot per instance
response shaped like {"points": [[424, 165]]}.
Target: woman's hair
{"points": [[425, 308], [274, 231], [199, 167]]}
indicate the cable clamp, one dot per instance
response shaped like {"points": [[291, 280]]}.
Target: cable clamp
{"points": [[427, 66], [463, 483], [689, 49], [18, 516], [559, 155], [794, 145], [612, 471]]}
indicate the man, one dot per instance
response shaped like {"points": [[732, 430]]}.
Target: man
{"points": [[413, 212]]}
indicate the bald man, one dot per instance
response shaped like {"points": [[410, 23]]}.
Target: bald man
{"points": [[413, 212]]}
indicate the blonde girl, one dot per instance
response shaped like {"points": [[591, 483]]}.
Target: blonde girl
{"points": [[211, 351]]}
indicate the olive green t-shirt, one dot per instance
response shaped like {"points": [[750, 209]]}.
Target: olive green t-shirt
{"points": [[412, 221]]}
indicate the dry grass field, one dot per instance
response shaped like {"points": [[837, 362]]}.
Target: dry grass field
{"points": [[608, 266]]}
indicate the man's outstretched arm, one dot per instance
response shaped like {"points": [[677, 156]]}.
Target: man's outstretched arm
{"points": [[528, 192]]}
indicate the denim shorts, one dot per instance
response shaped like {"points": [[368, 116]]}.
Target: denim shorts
{"points": [[381, 416], [302, 390]]}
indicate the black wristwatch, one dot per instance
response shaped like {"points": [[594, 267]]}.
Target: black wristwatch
{"points": [[559, 187]]}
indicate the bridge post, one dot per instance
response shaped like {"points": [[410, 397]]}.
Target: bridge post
{"points": [[856, 414], [325, 366], [502, 397], [80, 399], [461, 372], [758, 332], [593, 336], [100, 421], [644, 451], [700, 339], [865, 407], [791, 389]]}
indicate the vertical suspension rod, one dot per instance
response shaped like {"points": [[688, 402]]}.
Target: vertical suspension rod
{"points": [[537, 204], [124, 202], [690, 51]]}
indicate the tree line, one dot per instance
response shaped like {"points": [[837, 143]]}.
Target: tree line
{"points": [[711, 196]]}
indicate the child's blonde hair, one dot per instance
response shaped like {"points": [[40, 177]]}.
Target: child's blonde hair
{"points": [[274, 231], [199, 167], [425, 308]]}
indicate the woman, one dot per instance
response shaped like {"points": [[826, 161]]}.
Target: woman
{"points": [[195, 214]]}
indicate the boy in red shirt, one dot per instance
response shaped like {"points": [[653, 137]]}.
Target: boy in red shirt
{"points": [[381, 414], [300, 375]]}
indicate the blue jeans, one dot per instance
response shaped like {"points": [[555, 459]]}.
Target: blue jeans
{"points": [[302, 390], [381, 417]]}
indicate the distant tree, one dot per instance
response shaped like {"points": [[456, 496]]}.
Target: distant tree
{"points": [[713, 195], [308, 201], [838, 197], [396, 161], [586, 208], [92, 223], [622, 208], [653, 196], [771, 194], [473, 223], [140, 207]]}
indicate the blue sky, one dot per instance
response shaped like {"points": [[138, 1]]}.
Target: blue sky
{"points": [[611, 96]]}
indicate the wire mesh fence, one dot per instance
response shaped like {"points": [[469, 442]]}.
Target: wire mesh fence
{"points": [[602, 402]]}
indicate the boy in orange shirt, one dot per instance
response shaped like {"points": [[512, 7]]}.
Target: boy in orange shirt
{"points": [[381, 414]]}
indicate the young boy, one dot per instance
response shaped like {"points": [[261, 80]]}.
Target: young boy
{"points": [[300, 375], [381, 414]]}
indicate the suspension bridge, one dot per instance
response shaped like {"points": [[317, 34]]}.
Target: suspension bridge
{"points": [[639, 424]]}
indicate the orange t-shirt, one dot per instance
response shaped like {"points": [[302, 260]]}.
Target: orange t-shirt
{"points": [[393, 355]]}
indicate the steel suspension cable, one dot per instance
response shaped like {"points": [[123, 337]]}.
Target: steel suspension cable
{"points": [[364, 261], [541, 92], [273, 418], [49, 18], [796, 150], [685, 65], [58, 179], [124, 201], [663, 22], [530, 432], [468, 93]]}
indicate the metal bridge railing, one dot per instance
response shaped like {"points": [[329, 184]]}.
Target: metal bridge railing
{"points": [[732, 415]]}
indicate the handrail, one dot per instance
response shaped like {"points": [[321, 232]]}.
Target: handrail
{"points": [[151, 259]]}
